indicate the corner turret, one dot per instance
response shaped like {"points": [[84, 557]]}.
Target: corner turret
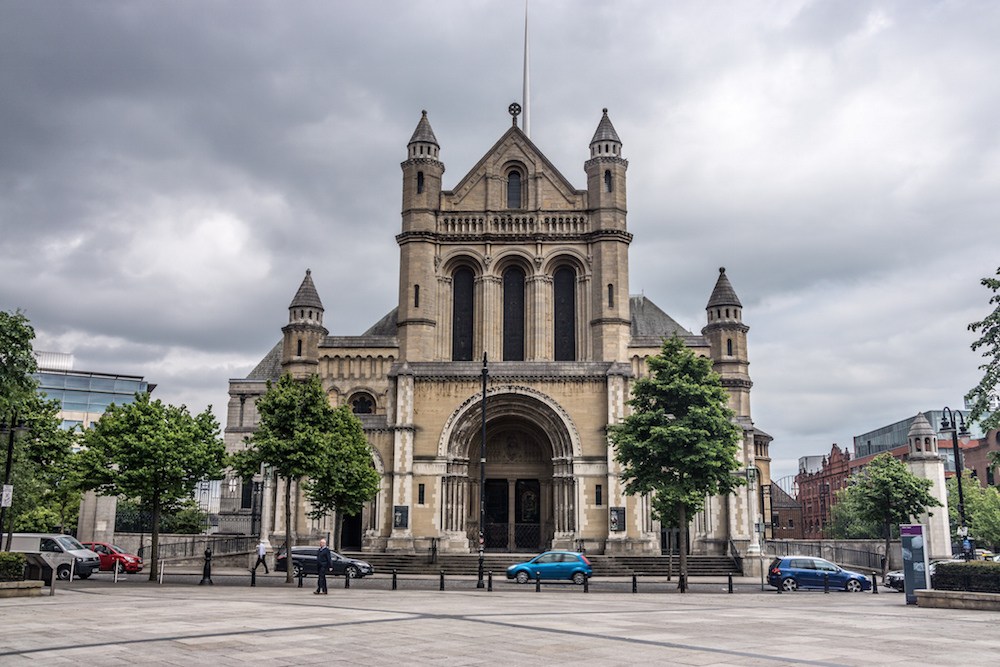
{"points": [[606, 177], [304, 331], [727, 338]]}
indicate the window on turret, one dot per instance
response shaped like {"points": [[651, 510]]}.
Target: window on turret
{"points": [[608, 181], [729, 347], [564, 288], [420, 182], [514, 189], [416, 296], [298, 352], [513, 314], [462, 310], [611, 295]]}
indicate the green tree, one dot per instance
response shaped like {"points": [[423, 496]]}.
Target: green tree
{"points": [[984, 396], [680, 441], [17, 363], [846, 522], [982, 511], [152, 452], [292, 437], [346, 478], [888, 494]]}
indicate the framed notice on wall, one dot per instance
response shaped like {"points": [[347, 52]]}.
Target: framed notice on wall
{"points": [[616, 519], [401, 516]]}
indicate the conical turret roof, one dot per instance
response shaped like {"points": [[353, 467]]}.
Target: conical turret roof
{"points": [[723, 294], [307, 296], [921, 427], [605, 130], [424, 133]]}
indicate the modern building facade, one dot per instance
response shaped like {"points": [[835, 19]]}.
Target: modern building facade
{"points": [[516, 275]]}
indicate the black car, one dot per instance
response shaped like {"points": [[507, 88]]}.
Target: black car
{"points": [[304, 560]]}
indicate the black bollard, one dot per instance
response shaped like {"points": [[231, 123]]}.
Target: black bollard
{"points": [[826, 582], [301, 576], [394, 579], [253, 578], [489, 582], [347, 579], [586, 584], [206, 575], [682, 583], [538, 581], [780, 583], [730, 582], [874, 583], [635, 583], [442, 581]]}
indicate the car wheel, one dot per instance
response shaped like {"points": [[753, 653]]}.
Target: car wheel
{"points": [[522, 577], [297, 570], [353, 572], [120, 567], [62, 572], [579, 578], [789, 584], [853, 586]]}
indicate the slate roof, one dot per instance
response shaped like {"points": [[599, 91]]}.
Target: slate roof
{"points": [[269, 367], [723, 294], [648, 321], [605, 130], [307, 296], [385, 326], [423, 133]]}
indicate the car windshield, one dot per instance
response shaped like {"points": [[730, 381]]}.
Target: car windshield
{"points": [[69, 543], [116, 549]]}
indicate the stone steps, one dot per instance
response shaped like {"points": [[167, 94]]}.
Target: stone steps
{"points": [[604, 565]]}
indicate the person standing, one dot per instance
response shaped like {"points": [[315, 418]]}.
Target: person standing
{"points": [[323, 563], [261, 556]]}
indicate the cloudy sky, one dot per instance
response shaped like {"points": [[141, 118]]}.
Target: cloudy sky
{"points": [[168, 170]]}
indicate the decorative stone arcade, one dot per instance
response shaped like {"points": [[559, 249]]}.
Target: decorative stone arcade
{"points": [[530, 486]]}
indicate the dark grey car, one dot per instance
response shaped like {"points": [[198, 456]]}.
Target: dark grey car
{"points": [[304, 560]]}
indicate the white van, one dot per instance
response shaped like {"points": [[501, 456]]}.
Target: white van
{"points": [[58, 552]]}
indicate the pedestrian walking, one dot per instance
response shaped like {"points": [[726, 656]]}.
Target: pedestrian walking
{"points": [[261, 557], [324, 561]]}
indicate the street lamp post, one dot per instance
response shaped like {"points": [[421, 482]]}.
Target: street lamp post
{"points": [[482, 480], [8, 493], [955, 422]]}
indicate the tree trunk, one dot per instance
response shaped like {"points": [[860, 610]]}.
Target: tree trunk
{"points": [[683, 525], [885, 560], [154, 540], [288, 530], [337, 521]]}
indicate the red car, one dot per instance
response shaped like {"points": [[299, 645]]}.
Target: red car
{"points": [[111, 555]]}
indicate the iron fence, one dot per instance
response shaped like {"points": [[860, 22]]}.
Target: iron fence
{"points": [[869, 559], [220, 546]]}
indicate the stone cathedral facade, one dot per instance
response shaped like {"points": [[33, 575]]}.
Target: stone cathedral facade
{"points": [[516, 265]]}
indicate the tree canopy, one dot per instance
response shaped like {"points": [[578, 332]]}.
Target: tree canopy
{"points": [[293, 437], [982, 510], [17, 363], [886, 493], [680, 442], [346, 478], [153, 453], [984, 396]]}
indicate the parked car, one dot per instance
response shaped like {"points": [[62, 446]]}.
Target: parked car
{"points": [[894, 579], [61, 552], [794, 572], [568, 565], [304, 560], [113, 556]]}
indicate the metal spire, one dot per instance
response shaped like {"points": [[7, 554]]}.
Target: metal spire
{"points": [[526, 91]]}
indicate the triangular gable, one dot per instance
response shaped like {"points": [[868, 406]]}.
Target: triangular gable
{"points": [[514, 145]]}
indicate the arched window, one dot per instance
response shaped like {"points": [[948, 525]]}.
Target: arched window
{"points": [[513, 314], [298, 352], [564, 288], [462, 308], [514, 189], [729, 347], [420, 182], [611, 295], [416, 296], [362, 404], [608, 182]]}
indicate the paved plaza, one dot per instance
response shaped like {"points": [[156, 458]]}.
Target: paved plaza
{"points": [[181, 623]]}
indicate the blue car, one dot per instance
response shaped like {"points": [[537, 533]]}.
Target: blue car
{"points": [[794, 572], [568, 565]]}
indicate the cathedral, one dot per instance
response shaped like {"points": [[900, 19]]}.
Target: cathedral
{"points": [[513, 324]]}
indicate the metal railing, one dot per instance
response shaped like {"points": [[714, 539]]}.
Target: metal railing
{"points": [[220, 546], [868, 559], [735, 553]]}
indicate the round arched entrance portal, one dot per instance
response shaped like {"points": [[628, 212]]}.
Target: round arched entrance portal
{"points": [[529, 487]]}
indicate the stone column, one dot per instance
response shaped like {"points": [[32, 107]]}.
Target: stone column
{"points": [[401, 537]]}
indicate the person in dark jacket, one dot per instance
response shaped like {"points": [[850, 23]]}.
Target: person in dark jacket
{"points": [[324, 561]]}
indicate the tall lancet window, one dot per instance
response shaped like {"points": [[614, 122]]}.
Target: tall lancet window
{"points": [[608, 182], [514, 189], [513, 314], [462, 308], [564, 288]]}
